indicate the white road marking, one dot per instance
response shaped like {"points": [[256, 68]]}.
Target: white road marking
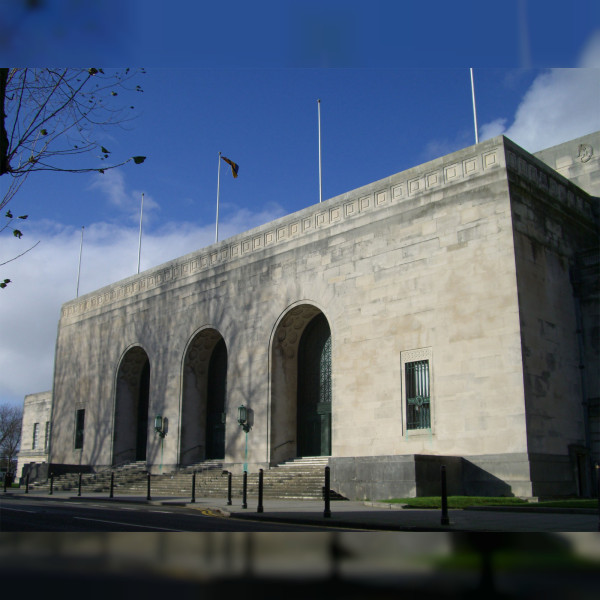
{"points": [[127, 524]]}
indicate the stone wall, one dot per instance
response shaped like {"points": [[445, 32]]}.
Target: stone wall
{"points": [[577, 160], [554, 225], [36, 409], [424, 263]]}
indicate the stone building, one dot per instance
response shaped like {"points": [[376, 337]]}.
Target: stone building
{"points": [[35, 435], [447, 314]]}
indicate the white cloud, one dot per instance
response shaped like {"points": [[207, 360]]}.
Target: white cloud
{"points": [[112, 185], [492, 129], [442, 146], [590, 57], [560, 105], [47, 277]]}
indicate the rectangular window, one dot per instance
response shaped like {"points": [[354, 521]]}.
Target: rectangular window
{"points": [[416, 376], [46, 436], [79, 424], [36, 436]]}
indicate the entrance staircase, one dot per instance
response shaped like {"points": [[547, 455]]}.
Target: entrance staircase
{"points": [[298, 479], [125, 475]]}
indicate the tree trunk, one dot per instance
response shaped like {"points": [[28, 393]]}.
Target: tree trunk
{"points": [[4, 164]]}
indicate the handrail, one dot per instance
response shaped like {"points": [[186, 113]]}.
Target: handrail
{"points": [[284, 443]]}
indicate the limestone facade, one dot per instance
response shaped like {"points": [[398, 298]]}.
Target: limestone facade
{"points": [[472, 266], [35, 432]]}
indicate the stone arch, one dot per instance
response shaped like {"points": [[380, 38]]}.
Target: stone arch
{"points": [[132, 400], [204, 389], [303, 332]]}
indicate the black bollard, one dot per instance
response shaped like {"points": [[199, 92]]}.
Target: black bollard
{"points": [[598, 490], [327, 511], [148, 496], [51, 483], [112, 484], [229, 488], [27, 484], [79, 485], [445, 520], [244, 489], [193, 487], [260, 491], [5, 481]]}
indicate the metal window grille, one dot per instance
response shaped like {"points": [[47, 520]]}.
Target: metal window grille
{"points": [[418, 411], [79, 424], [325, 372], [36, 435]]}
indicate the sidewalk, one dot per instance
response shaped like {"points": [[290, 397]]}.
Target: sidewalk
{"points": [[362, 515]]}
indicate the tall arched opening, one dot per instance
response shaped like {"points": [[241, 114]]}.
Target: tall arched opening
{"points": [[301, 385], [131, 407], [313, 405], [203, 398]]}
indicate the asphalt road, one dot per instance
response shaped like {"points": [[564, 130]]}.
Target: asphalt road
{"points": [[20, 515]]}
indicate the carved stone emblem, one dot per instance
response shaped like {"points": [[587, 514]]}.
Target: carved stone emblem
{"points": [[585, 152]]}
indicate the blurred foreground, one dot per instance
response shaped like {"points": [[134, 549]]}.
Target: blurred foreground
{"points": [[277, 565]]}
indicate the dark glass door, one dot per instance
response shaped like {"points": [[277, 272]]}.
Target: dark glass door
{"points": [[314, 389], [142, 413], [215, 413]]}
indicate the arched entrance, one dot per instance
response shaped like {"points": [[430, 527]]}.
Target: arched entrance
{"points": [[131, 407], [313, 406], [301, 390], [203, 401]]}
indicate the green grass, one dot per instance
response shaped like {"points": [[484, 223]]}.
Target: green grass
{"points": [[465, 501], [569, 503], [512, 559]]}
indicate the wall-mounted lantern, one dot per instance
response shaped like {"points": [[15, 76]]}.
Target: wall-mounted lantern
{"points": [[159, 426], [243, 418], [244, 421]]}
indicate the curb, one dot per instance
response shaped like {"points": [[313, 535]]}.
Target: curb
{"points": [[538, 510], [340, 523], [387, 505], [217, 511], [491, 508]]}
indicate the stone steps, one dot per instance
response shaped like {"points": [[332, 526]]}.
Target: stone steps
{"points": [[298, 479], [96, 482]]}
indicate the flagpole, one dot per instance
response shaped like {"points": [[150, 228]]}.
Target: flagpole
{"points": [[474, 109], [218, 186], [140, 242], [320, 173], [79, 268]]}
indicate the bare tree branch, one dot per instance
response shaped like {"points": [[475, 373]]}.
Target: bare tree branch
{"points": [[11, 418], [55, 115], [19, 255]]}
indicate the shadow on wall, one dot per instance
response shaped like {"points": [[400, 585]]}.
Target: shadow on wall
{"points": [[414, 475], [464, 478], [479, 482]]}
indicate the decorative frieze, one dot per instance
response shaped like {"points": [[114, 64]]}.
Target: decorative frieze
{"points": [[398, 190], [549, 183], [414, 355]]}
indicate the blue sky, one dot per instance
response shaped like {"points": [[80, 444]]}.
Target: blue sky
{"points": [[395, 92]]}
